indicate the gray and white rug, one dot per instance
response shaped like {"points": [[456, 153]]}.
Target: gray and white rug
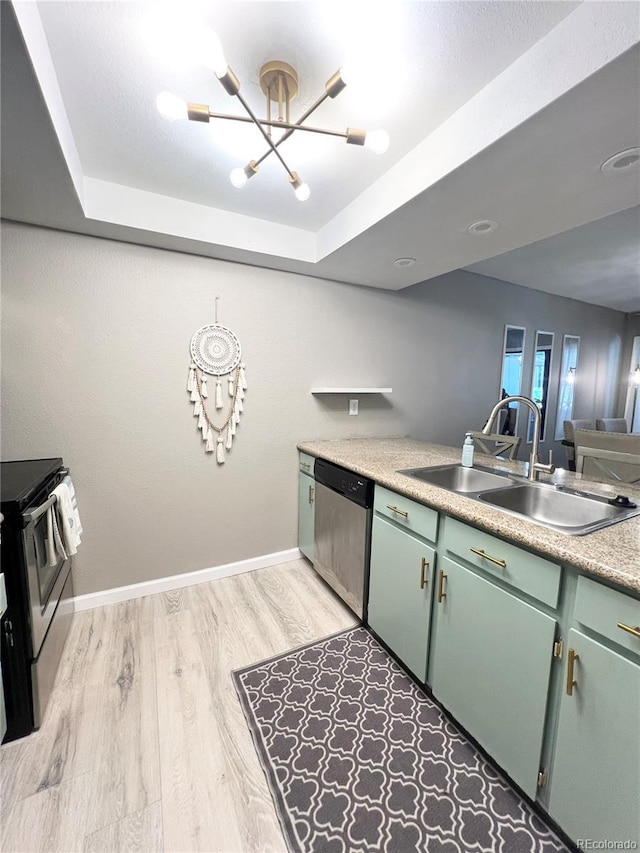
{"points": [[360, 760]]}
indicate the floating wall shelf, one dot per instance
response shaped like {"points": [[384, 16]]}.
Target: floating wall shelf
{"points": [[351, 390]]}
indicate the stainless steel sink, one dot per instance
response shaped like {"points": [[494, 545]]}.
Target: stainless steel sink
{"points": [[456, 478], [556, 507], [561, 509]]}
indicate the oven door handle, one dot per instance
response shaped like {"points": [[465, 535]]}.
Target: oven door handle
{"points": [[33, 514]]}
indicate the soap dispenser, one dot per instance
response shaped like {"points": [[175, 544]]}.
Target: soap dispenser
{"points": [[467, 451]]}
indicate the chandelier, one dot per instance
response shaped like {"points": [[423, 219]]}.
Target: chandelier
{"points": [[279, 83]]}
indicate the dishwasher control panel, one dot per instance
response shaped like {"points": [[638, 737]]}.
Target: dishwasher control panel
{"points": [[347, 483]]}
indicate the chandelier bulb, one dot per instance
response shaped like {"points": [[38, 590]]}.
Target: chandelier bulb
{"points": [[171, 106], [301, 189], [208, 51], [238, 177], [241, 175], [302, 192], [377, 141], [221, 68]]}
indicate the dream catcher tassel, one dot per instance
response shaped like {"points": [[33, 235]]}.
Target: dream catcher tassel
{"points": [[241, 393], [194, 395], [231, 386], [242, 377], [197, 408], [203, 387], [191, 381], [218, 393], [201, 420], [220, 451], [205, 429], [232, 426], [209, 445], [229, 440]]}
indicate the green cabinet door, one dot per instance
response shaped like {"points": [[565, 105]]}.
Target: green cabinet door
{"points": [[491, 664], [400, 583], [306, 510], [595, 780]]}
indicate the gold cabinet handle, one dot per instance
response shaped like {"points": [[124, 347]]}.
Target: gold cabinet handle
{"points": [[399, 511], [306, 465], [572, 656], [310, 494], [491, 559], [635, 631], [441, 593], [423, 567]]}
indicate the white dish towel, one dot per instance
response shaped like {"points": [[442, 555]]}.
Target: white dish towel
{"points": [[74, 505], [64, 527], [55, 548]]}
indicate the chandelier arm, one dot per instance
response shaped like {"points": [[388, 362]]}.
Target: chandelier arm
{"points": [[266, 135], [279, 124], [296, 126]]}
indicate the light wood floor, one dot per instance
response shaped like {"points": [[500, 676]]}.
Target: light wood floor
{"points": [[144, 746]]}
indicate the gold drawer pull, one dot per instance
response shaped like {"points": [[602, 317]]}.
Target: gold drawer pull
{"points": [[306, 465], [571, 682], [441, 593], [399, 511], [310, 494], [635, 631], [423, 567], [491, 559]]}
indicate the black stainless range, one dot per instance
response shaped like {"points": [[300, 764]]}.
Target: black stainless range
{"points": [[39, 593]]}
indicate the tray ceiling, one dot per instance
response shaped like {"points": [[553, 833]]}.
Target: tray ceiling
{"points": [[490, 107]]}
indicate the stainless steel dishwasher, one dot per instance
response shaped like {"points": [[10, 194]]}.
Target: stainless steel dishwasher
{"points": [[342, 539]]}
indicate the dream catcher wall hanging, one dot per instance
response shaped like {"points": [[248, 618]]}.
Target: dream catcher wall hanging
{"points": [[215, 351]]}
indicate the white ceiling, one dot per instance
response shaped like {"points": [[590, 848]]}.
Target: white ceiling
{"points": [[499, 110]]}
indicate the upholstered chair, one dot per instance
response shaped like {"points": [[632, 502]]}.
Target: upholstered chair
{"points": [[609, 455], [568, 429], [611, 424]]}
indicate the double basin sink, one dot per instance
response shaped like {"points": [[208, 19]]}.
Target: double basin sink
{"points": [[557, 507]]}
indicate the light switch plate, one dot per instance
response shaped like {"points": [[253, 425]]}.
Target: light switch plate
{"points": [[353, 407]]}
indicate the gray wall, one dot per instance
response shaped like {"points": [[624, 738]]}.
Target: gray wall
{"points": [[463, 315], [95, 339]]}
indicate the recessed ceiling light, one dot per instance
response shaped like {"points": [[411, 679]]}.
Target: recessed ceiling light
{"points": [[404, 262], [621, 161], [484, 226]]}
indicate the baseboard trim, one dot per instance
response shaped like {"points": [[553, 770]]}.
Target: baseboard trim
{"points": [[138, 590]]}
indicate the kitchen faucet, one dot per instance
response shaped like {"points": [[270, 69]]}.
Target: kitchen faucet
{"points": [[535, 466]]}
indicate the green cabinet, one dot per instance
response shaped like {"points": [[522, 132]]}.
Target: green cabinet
{"points": [[306, 505], [400, 582], [490, 667], [595, 784], [538, 662]]}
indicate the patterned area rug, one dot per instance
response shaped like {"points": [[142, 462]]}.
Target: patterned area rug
{"points": [[359, 759]]}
